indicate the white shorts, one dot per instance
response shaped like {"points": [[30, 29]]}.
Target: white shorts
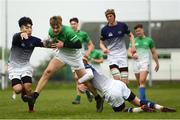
{"points": [[71, 57], [139, 66], [120, 61], [117, 94], [17, 72]]}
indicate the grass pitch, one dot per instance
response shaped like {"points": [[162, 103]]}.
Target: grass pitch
{"points": [[55, 102]]}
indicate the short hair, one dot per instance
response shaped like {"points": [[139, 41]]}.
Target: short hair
{"points": [[75, 19], [110, 11], [55, 21], [25, 21], [138, 26]]}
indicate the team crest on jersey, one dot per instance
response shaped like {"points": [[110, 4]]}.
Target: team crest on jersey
{"points": [[110, 34], [31, 45], [119, 32], [23, 45]]}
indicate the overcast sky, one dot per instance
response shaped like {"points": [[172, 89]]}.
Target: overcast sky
{"points": [[86, 10]]}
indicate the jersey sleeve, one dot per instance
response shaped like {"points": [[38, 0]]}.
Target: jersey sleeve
{"points": [[16, 40], [102, 35], [127, 30], [86, 38], [39, 43], [72, 40], [152, 44]]}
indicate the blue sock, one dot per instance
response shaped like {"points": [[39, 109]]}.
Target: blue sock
{"points": [[142, 93], [148, 103]]}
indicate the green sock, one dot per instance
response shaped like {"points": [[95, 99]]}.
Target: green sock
{"points": [[78, 97]]}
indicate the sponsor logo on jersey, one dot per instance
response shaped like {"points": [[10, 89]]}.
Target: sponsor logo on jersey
{"points": [[110, 34], [119, 32]]}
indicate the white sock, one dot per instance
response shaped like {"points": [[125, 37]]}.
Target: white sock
{"points": [[138, 109], [158, 107]]}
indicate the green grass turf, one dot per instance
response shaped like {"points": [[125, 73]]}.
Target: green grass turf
{"points": [[55, 103]]}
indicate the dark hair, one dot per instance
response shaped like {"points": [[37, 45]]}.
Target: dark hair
{"points": [[110, 11], [25, 21], [75, 19], [55, 20], [138, 26]]}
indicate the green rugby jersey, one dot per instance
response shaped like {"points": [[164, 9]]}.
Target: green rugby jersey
{"points": [[84, 38], [68, 36], [95, 54], [143, 45]]}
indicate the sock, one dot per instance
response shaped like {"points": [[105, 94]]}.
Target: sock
{"points": [[130, 110], [97, 97], [142, 93], [147, 103], [138, 109], [36, 94], [158, 107], [78, 97]]}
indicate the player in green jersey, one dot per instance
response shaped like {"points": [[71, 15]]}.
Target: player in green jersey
{"points": [[85, 40], [96, 58], [68, 43], [144, 45]]}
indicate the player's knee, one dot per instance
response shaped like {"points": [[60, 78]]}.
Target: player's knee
{"points": [[17, 85], [142, 83], [126, 81], [115, 71], [47, 72], [28, 90], [117, 77], [17, 88]]}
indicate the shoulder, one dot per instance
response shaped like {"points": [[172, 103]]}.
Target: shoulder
{"points": [[105, 28], [35, 38], [67, 29], [16, 35], [82, 32], [121, 24], [50, 32], [149, 38]]}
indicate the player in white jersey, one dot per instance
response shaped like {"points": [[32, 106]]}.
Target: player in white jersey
{"points": [[19, 69], [116, 93], [113, 44]]}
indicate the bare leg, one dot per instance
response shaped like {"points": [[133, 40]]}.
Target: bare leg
{"points": [[78, 97], [53, 66]]}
